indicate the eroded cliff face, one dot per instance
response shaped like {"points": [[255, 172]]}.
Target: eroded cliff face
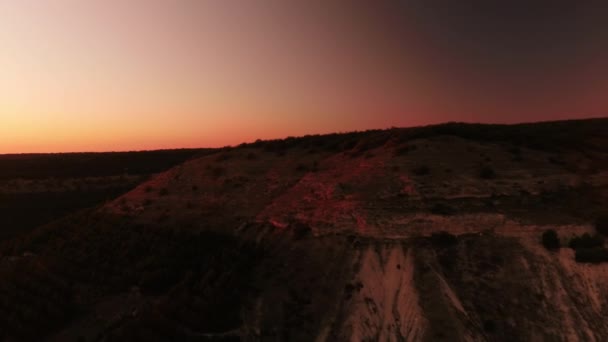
{"points": [[344, 290], [478, 287], [485, 286], [500, 288], [382, 302]]}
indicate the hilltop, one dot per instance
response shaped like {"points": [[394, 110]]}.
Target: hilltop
{"points": [[426, 233]]}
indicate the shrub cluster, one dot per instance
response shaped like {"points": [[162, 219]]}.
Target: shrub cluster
{"points": [[443, 209], [403, 150], [589, 248], [586, 241], [301, 230], [443, 239], [223, 156], [592, 255], [601, 225], [551, 239], [422, 170], [486, 172], [304, 167]]}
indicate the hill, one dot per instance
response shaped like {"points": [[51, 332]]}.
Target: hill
{"points": [[38, 188], [429, 233]]}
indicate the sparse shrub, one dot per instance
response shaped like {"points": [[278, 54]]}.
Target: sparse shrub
{"points": [[489, 326], [163, 217], [591, 255], [370, 143], [515, 150], [301, 230], [344, 187], [354, 153], [234, 182], [403, 150], [422, 170], [486, 172], [518, 158], [586, 241], [349, 145], [333, 147], [442, 209], [551, 239], [223, 156], [443, 239], [556, 161], [217, 171], [601, 225]]}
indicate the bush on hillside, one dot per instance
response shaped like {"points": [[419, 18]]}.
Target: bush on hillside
{"points": [[217, 171], [301, 230], [487, 172], [591, 255], [601, 225], [443, 239], [422, 170], [515, 150], [301, 167], [551, 239], [489, 326], [403, 150], [442, 209], [223, 156], [586, 241]]}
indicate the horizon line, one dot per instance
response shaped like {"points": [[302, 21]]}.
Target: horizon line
{"points": [[160, 149]]}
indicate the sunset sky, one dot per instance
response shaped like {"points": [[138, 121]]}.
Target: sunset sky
{"points": [[100, 75]]}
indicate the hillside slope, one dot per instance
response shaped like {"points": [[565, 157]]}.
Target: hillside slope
{"points": [[333, 238], [36, 189]]}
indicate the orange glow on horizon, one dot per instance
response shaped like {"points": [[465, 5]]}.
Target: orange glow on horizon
{"points": [[152, 74]]}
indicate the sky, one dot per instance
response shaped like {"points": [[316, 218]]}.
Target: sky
{"points": [[113, 75]]}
